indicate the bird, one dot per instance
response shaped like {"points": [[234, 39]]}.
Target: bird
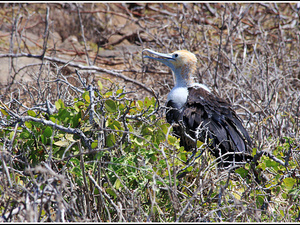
{"points": [[198, 114]]}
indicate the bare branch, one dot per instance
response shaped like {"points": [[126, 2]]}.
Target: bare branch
{"points": [[82, 67]]}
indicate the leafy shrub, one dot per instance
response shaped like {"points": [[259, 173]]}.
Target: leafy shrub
{"points": [[127, 158]]}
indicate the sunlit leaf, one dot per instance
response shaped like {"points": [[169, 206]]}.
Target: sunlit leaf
{"points": [[4, 112], [289, 182], [107, 94], [237, 196], [59, 104], [119, 91], [138, 141], [172, 139], [28, 124], [31, 113], [118, 184], [281, 212], [86, 96], [199, 144], [69, 137], [78, 105], [100, 85], [139, 104], [94, 144], [147, 102], [61, 143]]}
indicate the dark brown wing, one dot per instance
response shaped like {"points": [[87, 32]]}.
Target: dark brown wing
{"points": [[206, 116]]}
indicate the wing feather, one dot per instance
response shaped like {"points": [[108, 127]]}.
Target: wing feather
{"points": [[214, 119]]}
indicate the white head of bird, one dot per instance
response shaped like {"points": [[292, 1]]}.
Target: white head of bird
{"points": [[183, 64]]}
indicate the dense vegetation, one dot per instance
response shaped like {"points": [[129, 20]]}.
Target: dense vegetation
{"points": [[83, 133]]}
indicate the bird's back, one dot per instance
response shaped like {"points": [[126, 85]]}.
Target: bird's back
{"points": [[207, 117]]}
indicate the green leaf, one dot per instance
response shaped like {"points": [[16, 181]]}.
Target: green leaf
{"points": [[259, 200], [110, 192], [61, 143], [59, 104], [116, 125], [118, 184], [284, 196], [11, 134], [189, 169], [281, 213], [182, 156], [76, 119], [162, 162], [110, 105], [25, 135], [271, 163], [110, 140], [289, 183], [43, 139], [241, 171], [147, 130], [31, 113], [78, 106], [100, 85], [47, 132], [119, 91], [160, 136], [94, 144], [54, 119], [107, 94], [75, 161], [63, 115], [28, 124], [172, 139], [77, 171], [165, 127], [139, 104], [147, 102], [138, 141], [4, 112], [86, 96], [295, 193]]}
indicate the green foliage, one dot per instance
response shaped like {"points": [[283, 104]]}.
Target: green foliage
{"points": [[134, 154]]}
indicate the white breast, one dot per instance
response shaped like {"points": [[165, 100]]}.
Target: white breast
{"points": [[179, 96]]}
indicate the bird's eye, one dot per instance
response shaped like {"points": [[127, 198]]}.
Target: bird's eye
{"points": [[176, 55]]}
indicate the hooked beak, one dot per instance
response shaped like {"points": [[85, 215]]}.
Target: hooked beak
{"points": [[162, 56]]}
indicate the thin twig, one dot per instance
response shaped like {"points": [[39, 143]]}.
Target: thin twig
{"points": [[82, 35], [82, 67]]}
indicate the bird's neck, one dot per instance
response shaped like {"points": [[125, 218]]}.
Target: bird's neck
{"points": [[183, 77], [183, 80]]}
